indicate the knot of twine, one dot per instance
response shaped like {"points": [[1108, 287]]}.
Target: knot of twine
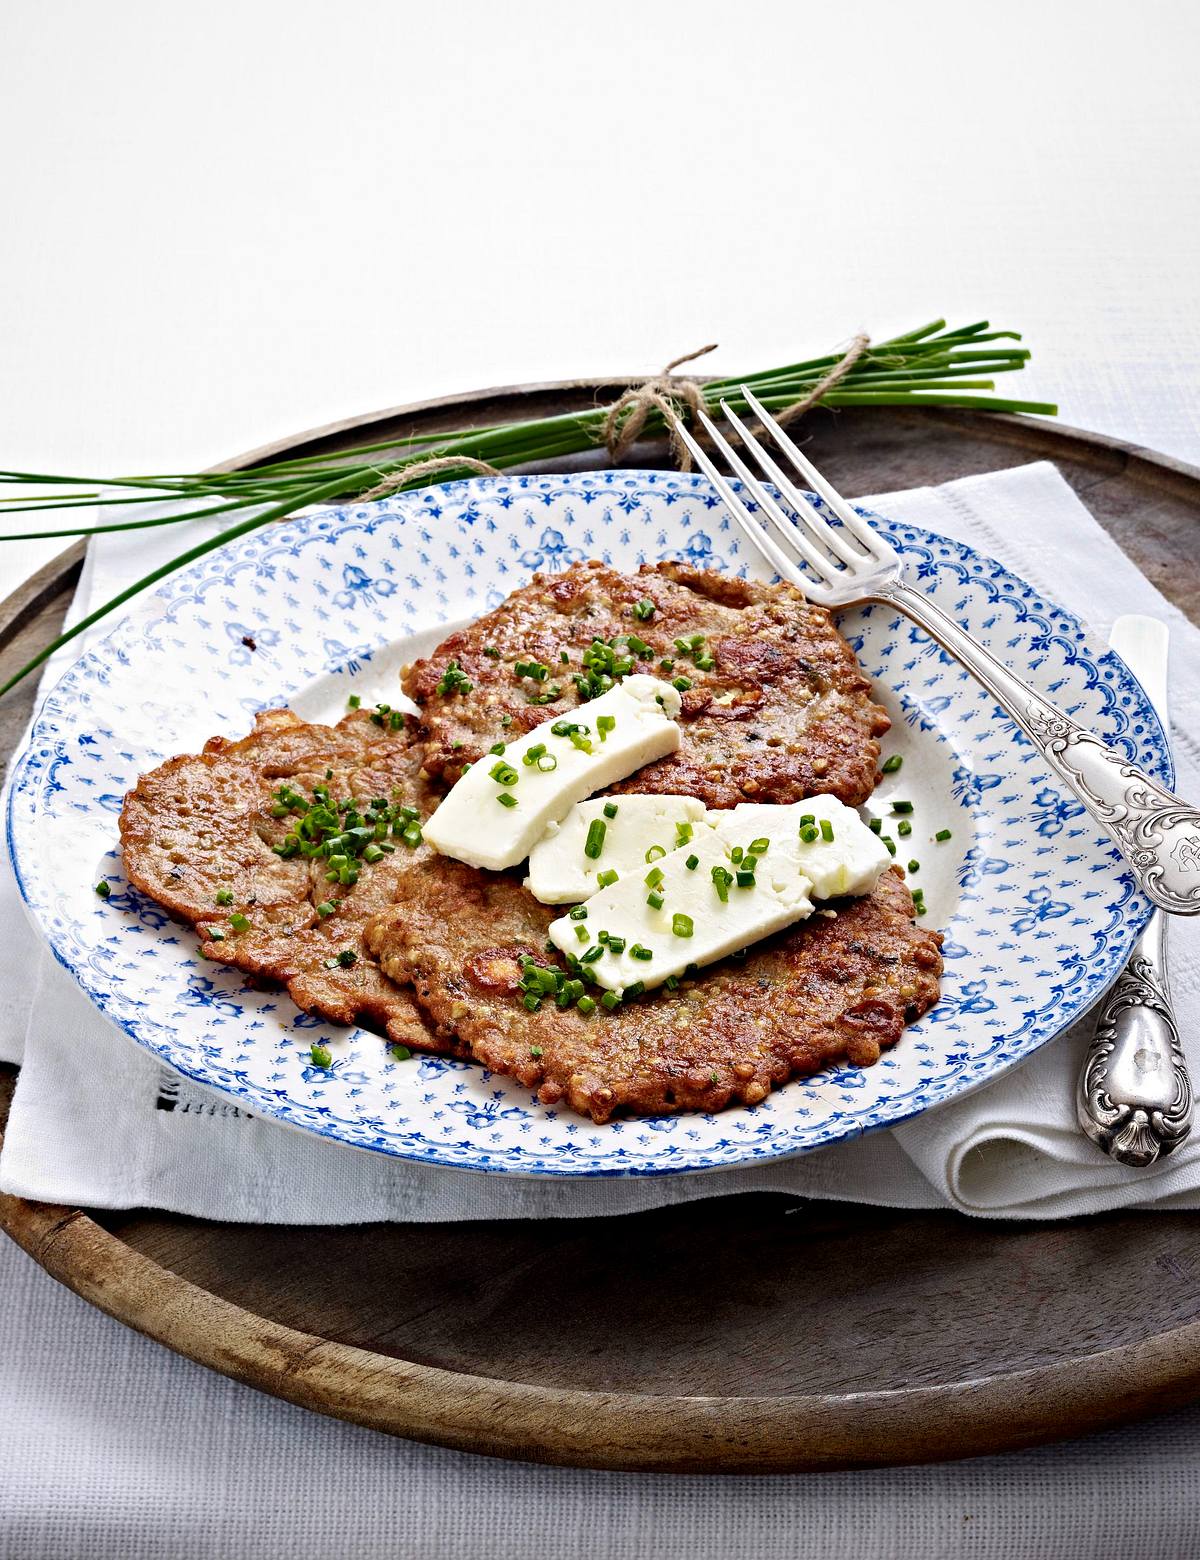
{"points": [[684, 399]]}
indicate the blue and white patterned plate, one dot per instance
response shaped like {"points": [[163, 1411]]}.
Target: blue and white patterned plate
{"points": [[1037, 911]]}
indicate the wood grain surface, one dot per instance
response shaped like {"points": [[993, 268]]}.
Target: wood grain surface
{"points": [[740, 1334]]}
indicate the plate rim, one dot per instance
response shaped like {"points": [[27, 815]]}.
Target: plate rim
{"points": [[1136, 910]]}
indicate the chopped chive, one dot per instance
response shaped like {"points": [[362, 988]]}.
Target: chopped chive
{"points": [[635, 990], [638, 952], [809, 833], [547, 764], [594, 843], [532, 1001], [531, 755], [655, 853], [586, 1005], [492, 651], [326, 908], [672, 983], [610, 809], [373, 853], [412, 834], [666, 664], [638, 646], [904, 828], [760, 847], [239, 923], [604, 879], [654, 900], [826, 830], [215, 934], [682, 683], [506, 720], [914, 866], [605, 724], [643, 610], [347, 958], [692, 863], [497, 748], [942, 834], [683, 833], [564, 657], [583, 934], [721, 881], [902, 807], [807, 818], [504, 774], [353, 701], [399, 1053], [736, 854], [224, 896], [592, 954], [506, 799], [890, 843], [579, 913], [453, 680], [876, 825], [891, 765], [610, 999], [682, 925], [616, 944], [745, 879], [320, 1055]]}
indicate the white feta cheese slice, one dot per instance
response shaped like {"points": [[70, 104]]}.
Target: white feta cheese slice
{"points": [[711, 927], [849, 863], [561, 872], [629, 726]]}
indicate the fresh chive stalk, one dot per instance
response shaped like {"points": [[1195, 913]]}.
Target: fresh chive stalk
{"points": [[931, 366]]}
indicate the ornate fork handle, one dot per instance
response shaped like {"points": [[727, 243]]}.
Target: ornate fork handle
{"points": [[1156, 831], [1135, 1097]]}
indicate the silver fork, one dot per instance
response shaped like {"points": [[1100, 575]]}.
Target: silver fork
{"points": [[1158, 834]]}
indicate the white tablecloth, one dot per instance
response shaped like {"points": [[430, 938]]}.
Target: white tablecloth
{"points": [[233, 221]]}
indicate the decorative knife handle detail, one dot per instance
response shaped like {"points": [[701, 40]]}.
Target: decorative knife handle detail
{"points": [[1158, 833], [1135, 1097]]}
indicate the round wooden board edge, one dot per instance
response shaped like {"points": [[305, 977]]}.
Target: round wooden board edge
{"points": [[622, 1431], [630, 1432]]}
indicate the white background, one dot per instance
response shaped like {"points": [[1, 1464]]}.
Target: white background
{"points": [[223, 223]]}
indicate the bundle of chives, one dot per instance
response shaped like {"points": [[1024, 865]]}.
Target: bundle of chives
{"points": [[932, 366]]}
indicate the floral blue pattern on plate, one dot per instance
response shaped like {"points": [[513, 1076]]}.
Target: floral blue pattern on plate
{"points": [[1038, 913]]}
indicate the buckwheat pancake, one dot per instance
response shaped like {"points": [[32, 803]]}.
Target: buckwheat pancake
{"points": [[834, 988], [197, 836], [775, 705]]}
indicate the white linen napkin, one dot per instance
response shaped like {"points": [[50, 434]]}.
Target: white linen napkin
{"points": [[98, 1122]]}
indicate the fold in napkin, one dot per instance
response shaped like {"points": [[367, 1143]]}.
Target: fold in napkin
{"points": [[97, 1122]]}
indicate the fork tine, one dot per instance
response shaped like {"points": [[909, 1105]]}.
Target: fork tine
{"points": [[816, 523], [755, 534], [821, 565], [857, 527]]}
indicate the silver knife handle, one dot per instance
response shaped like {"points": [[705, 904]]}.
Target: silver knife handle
{"points": [[1135, 1097], [1156, 832]]}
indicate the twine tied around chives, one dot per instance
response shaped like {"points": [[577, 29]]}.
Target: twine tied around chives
{"points": [[627, 417], [420, 469], [684, 398]]}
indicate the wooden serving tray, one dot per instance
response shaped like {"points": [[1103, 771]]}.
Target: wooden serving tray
{"points": [[740, 1334]]}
